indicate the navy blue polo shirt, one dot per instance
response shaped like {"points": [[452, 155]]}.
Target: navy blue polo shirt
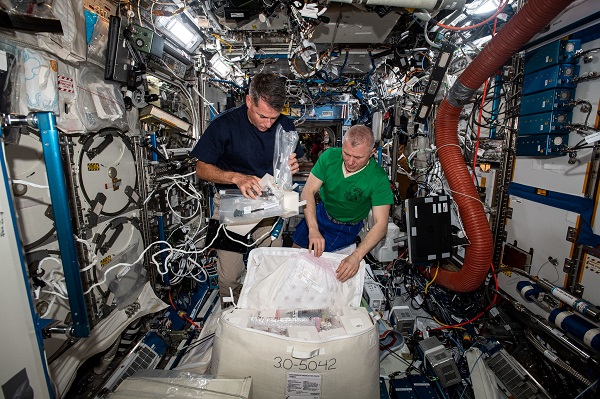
{"points": [[234, 144]]}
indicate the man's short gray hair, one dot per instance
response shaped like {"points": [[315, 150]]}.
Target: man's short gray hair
{"points": [[359, 134]]}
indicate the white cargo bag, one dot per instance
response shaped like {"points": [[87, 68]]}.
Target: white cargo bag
{"points": [[336, 365]]}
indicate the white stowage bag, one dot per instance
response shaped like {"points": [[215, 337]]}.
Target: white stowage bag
{"points": [[341, 362]]}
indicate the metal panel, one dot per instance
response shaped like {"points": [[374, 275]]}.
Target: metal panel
{"points": [[590, 279], [542, 145], [19, 341], [549, 240], [558, 76], [549, 100], [557, 52], [546, 123]]}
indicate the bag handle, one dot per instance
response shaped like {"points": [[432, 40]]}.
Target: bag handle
{"points": [[299, 354]]}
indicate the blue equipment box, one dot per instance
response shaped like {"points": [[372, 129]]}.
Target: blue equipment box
{"points": [[412, 386], [422, 387], [546, 123], [549, 100], [557, 52], [542, 145], [401, 389], [383, 389], [557, 76], [326, 112]]}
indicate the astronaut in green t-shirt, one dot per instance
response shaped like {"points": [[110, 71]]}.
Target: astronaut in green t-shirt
{"points": [[350, 184]]}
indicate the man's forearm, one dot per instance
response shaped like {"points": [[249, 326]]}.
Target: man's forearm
{"points": [[372, 238], [310, 211], [376, 233], [211, 173]]}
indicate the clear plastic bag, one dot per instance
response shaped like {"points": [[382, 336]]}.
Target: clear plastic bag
{"points": [[285, 145], [327, 319], [32, 8], [310, 280], [163, 384], [100, 104], [279, 326], [292, 278], [237, 209], [98, 42], [322, 319]]}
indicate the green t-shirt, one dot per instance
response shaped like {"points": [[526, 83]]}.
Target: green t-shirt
{"points": [[350, 199]]}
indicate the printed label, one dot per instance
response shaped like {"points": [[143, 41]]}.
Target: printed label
{"points": [[303, 384]]}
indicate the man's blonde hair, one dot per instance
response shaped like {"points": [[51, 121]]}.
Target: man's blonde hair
{"points": [[359, 134]]}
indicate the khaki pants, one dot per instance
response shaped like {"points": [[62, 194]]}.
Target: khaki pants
{"points": [[230, 265]]}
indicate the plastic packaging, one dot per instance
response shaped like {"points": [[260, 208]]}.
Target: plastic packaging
{"points": [[33, 9], [179, 384], [40, 74], [98, 41], [280, 325], [237, 209], [309, 276], [69, 45], [327, 317], [90, 21], [285, 145], [100, 104], [322, 319], [292, 278]]}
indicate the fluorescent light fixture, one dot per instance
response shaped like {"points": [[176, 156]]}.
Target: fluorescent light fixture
{"points": [[219, 66], [181, 32]]}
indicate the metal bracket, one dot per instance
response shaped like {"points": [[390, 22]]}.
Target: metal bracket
{"points": [[571, 234], [502, 236], [578, 290], [569, 265]]}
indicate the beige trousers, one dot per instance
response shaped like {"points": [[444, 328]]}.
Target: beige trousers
{"points": [[230, 265]]}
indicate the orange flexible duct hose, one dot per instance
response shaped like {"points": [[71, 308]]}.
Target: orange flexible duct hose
{"points": [[534, 16]]}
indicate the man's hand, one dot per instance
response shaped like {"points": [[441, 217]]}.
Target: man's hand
{"points": [[293, 162], [316, 242], [248, 185], [348, 268]]}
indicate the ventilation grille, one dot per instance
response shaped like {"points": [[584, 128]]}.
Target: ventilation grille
{"points": [[512, 376]]}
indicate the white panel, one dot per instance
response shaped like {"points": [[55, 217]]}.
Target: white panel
{"points": [[589, 91], [553, 174], [19, 342], [590, 279], [544, 229]]}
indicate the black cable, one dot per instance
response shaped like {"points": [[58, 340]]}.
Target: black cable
{"points": [[198, 342]]}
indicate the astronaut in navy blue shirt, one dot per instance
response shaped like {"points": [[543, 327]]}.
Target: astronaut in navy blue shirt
{"points": [[236, 150]]}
